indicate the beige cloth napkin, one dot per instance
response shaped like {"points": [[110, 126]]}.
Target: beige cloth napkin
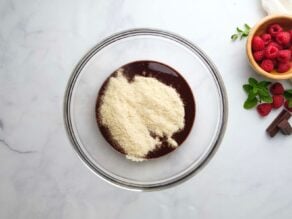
{"points": [[277, 6]]}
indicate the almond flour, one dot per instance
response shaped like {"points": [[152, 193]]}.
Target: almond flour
{"points": [[136, 111]]}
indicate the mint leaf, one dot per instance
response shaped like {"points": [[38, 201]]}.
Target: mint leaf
{"points": [[244, 34], [234, 37], [241, 33], [257, 92], [264, 83], [251, 96], [239, 30], [264, 95], [250, 103], [290, 103], [252, 81], [247, 27], [263, 92], [266, 99], [247, 88], [288, 94]]}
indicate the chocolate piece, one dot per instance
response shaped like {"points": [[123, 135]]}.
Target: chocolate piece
{"points": [[273, 129], [285, 127], [168, 76]]}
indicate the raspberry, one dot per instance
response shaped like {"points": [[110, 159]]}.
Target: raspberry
{"points": [[287, 46], [277, 89], [283, 38], [267, 38], [283, 67], [290, 31], [275, 62], [271, 52], [276, 45], [267, 65], [259, 55], [274, 29], [257, 44], [284, 55], [278, 101], [264, 109], [287, 107]]}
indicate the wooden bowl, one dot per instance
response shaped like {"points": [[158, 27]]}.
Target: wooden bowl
{"points": [[286, 22]]}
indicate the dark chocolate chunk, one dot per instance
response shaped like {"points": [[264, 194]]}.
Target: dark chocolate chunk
{"points": [[285, 127], [273, 128]]}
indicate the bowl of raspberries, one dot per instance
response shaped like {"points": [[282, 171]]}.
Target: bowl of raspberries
{"points": [[269, 47]]}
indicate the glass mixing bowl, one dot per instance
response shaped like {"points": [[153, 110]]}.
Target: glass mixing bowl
{"points": [[164, 47]]}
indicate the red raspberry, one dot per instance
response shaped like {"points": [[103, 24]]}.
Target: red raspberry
{"points": [[267, 38], [276, 45], [264, 109], [275, 62], [290, 31], [278, 101], [287, 107], [274, 29], [259, 55], [284, 55], [257, 44], [283, 67], [288, 46], [267, 65], [283, 38], [271, 52], [277, 89]]}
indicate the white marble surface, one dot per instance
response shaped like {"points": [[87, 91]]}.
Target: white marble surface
{"points": [[40, 174]]}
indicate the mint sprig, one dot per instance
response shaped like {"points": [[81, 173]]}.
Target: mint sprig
{"points": [[257, 92], [288, 96], [241, 33]]}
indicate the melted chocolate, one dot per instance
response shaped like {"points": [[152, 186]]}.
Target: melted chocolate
{"points": [[168, 76]]}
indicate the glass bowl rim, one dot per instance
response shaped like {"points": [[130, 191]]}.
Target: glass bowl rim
{"points": [[141, 32]]}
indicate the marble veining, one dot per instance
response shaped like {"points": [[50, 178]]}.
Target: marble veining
{"points": [[41, 176], [9, 147], [1, 125]]}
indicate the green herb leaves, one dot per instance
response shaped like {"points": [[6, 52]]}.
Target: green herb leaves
{"points": [[257, 92], [241, 33], [288, 96]]}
